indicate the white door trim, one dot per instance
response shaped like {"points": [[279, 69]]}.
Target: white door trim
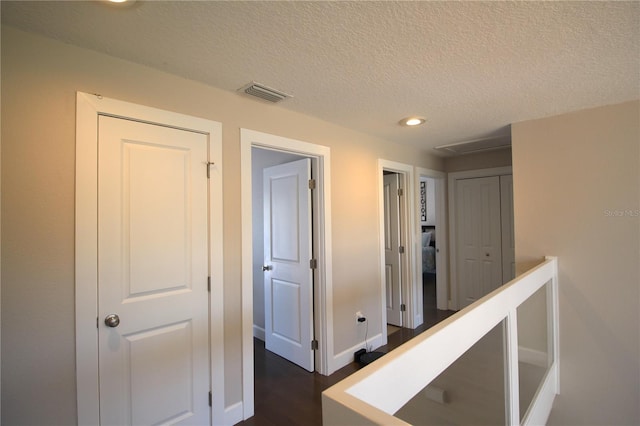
{"points": [[442, 258], [410, 280], [89, 107], [325, 362], [453, 178]]}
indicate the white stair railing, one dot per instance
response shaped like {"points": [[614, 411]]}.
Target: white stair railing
{"points": [[376, 394]]}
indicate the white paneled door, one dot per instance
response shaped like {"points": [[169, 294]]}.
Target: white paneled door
{"points": [[288, 277], [479, 239], [152, 280], [392, 248]]}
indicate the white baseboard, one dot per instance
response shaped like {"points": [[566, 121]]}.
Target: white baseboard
{"points": [[417, 320], [258, 332], [532, 356], [375, 342], [233, 414], [346, 357]]}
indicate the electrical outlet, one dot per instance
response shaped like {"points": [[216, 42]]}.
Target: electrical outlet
{"points": [[360, 317]]}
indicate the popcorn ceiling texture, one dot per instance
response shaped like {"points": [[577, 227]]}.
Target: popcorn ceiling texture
{"points": [[470, 68]]}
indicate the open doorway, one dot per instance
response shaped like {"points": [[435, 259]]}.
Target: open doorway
{"points": [[428, 238], [433, 238], [282, 247], [322, 301], [411, 288], [395, 238], [399, 290]]}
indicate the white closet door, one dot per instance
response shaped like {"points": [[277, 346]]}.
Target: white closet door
{"points": [[478, 238]]}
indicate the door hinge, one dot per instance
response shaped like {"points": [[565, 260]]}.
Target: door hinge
{"points": [[314, 345], [209, 164], [313, 264], [401, 249], [209, 284], [403, 307], [210, 399], [312, 184], [400, 192]]}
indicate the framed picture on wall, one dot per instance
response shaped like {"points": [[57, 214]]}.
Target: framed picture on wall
{"points": [[423, 201]]}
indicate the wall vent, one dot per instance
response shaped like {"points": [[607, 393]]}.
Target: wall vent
{"points": [[475, 146], [264, 92]]}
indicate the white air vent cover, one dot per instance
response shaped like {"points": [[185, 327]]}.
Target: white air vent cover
{"points": [[263, 92], [475, 146]]}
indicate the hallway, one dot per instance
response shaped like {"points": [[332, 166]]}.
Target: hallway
{"points": [[287, 394]]}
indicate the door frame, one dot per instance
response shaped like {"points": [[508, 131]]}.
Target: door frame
{"points": [[325, 363], [408, 217], [88, 108], [442, 241], [453, 179]]}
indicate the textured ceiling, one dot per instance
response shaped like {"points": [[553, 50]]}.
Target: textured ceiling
{"points": [[470, 68]]}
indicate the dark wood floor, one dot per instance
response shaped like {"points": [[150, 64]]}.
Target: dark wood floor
{"points": [[286, 394]]}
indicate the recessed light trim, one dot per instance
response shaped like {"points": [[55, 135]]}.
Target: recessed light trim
{"points": [[412, 121], [124, 4]]}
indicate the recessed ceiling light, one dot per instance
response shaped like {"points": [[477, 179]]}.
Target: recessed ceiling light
{"points": [[120, 3], [412, 121]]}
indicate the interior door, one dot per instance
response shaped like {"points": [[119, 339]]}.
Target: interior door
{"points": [[288, 277], [478, 238], [152, 279], [392, 248]]}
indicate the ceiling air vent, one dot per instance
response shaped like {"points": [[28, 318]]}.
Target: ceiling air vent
{"points": [[263, 92], [475, 146]]}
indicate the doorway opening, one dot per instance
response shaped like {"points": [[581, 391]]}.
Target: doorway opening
{"points": [[395, 242], [275, 147], [428, 247], [399, 277], [283, 288], [433, 261]]}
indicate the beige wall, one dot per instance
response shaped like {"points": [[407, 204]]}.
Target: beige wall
{"points": [[577, 192], [39, 83], [480, 160]]}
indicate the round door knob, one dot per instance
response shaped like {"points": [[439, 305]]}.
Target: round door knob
{"points": [[266, 268], [112, 320]]}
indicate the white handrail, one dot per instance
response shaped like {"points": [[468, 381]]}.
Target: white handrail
{"points": [[373, 394]]}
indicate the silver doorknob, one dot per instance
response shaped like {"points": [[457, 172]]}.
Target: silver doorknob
{"points": [[112, 320], [266, 268]]}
